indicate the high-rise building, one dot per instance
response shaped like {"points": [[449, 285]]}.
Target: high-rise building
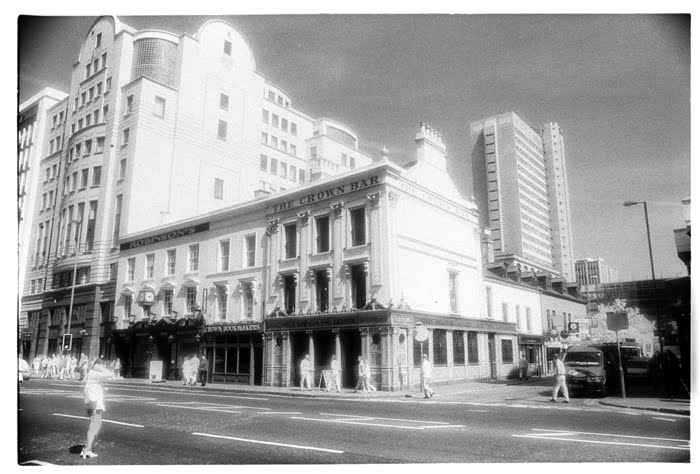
{"points": [[157, 127], [520, 186], [591, 272]]}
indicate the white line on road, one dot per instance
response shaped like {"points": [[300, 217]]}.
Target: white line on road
{"points": [[364, 423], [279, 413], [386, 419], [220, 410], [311, 448], [664, 419], [602, 442], [35, 462], [104, 421], [609, 434]]}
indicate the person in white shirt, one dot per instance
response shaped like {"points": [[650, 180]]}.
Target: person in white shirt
{"points": [[559, 380], [305, 369], [95, 403], [335, 373], [426, 373], [360, 374], [368, 387]]}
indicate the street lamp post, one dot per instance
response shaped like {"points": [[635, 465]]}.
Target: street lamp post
{"points": [[75, 271], [653, 276]]}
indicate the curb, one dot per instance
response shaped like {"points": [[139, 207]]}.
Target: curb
{"points": [[676, 411]]}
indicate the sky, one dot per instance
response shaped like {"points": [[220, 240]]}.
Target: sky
{"points": [[618, 85]]}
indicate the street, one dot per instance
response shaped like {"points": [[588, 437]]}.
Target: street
{"points": [[177, 425]]}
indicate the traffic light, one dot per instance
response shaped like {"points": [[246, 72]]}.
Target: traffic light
{"points": [[67, 342]]}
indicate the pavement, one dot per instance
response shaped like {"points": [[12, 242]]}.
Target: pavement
{"points": [[638, 397]]}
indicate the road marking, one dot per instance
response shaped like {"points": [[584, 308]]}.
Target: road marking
{"points": [[610, 434], [35, 462], [279, 413], [364, 422], [104, 421], [270, 443], [199, 408], [664, 419], [603, 442], [387, 419]]}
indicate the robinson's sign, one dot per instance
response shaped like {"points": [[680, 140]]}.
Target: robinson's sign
{"points": [[162, 237]]}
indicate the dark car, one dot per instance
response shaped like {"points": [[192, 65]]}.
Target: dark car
{"points": [[585, 371]]}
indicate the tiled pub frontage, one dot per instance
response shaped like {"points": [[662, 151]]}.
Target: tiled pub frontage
{"points": [[459, 348]]}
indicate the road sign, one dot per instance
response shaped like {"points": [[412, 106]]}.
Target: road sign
{"points": [[553, 332], [617, 321], [564, 334], [573, 328]]}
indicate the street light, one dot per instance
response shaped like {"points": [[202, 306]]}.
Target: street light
{"points": [[75, 271], [653, 276]]}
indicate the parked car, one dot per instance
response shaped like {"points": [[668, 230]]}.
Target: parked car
{"points": [[638, 368], [586, 371]]}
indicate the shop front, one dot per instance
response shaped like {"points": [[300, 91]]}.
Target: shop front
{"points": [[234, 352], [532, 347]]}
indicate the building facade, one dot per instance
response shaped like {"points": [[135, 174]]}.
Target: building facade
{"points": [[347, 265], [156, 128], [591, 272], [519, 178]]}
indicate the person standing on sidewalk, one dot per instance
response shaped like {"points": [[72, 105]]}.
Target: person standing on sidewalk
{"points": [[203, 370], [559, 380], [367, 377], [360, 374], [305, 369], [426, 373], [335, 373], [95, 403], [522, 365]]}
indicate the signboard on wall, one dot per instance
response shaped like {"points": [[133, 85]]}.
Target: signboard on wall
{"points": [[617, 321], [155, 373]]}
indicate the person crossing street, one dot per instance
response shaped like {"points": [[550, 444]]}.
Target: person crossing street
{"points": [[559, 380]]}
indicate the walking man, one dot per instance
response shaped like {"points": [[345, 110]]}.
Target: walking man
{"points": [[203, 369], [360, 374], [426, 373], [335, 373], [305, 369], [522, 365], [367, 378], [95, 403], [559, 380]]}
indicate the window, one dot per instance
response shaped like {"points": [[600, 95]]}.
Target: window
{"points": [[489, 302], [518, 322], [223, 126], [78, 149], [352, 162], [504, 311], [283, 145], [312, 151], [293, 173], [222, 299], [472, 347], [104, 60], [105, 109], [43, 202], [458, 347], [275, 120], [96, 116], [91, 93], [266, 116], [271, 95], [273, 141], [292, 149], [150, 263], [74, 183], [170, 262], [528, 318], [344, 159], [218, 188], [263, 162], [125, 137], [98, 89], [80, 124], [273, 166], [223, 101], [98, 40], [357, 226], [250, 250], [129, 105], [84, 178], [159, 107], [302, 176], [122, 169], [263, 138], [440, 347], [113, 268], [227, 48], [127, 305], [224, 253], [454, 289], [117, 218], [88, 70], [248, 299], [100, 145], [90, 232], [322, 234], [191, 299], [130, 268], [283, 169], [96, 175], [290, 291], [293, 128], [358, 286], [168, 302], [290, 241], [88, 147], [507, 351], [193, 258], [285, 124], [322, 292]]}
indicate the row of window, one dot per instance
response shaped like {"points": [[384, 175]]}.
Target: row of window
{"points": [[85, 148], [25, 136], [290, 172], [56, 119], [55, 144], [71, 223], [36, 286], [94, 66], [322, 233], [282, 145], [527, 326], [271, 96], [41, 246], [71, 180], [279, 122], [91, 93], [96, 116], [65, 279], [439, 355]]}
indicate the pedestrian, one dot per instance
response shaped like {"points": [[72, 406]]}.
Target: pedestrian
{"points": [[426, 374], [672, 374], [559, 380], [335, 373], [194, 369], [656, 373], [203, 370], [95, 403], [367, 376], [522, 366], [305, 369], [185, 371], [360, 374], [23, 370], [117, 368]]}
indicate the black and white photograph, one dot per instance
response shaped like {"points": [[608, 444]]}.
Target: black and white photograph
{"points": [[368, 238]]}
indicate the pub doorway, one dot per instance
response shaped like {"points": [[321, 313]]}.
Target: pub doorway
{"points": [[324, 348], [163, 352], [299, 345], [351, 349]]}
